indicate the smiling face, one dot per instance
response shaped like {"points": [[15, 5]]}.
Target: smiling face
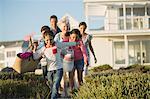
{"points": [[53, 22], [73, 37], [64, 27], [82, 29], [49, 40]]}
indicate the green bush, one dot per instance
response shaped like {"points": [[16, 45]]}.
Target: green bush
{"points": [[101, 68], [115, 86], [136, 68], [13, 85], [104, 82]]}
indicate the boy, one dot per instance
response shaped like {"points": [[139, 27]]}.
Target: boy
{"points": [[52, 52]]}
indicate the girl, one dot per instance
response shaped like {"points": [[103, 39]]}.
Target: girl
{"points": [[52, 51], [86, 38], [80, 57]]}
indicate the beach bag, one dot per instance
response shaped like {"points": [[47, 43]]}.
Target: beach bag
{"points": [[68, 60], [25, 63]]}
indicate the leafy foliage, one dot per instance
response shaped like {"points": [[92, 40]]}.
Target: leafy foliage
{"points": [[131, 83], [13, 85]]}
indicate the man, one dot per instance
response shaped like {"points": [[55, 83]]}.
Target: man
{"points": [[53, 22]]}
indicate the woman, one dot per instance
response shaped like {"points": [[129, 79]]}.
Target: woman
{"points": [[86, 38]]}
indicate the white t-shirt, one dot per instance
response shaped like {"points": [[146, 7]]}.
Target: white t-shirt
{"points": [[53, 54]]}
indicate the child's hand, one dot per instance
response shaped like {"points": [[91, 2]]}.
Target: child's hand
{"points": [[86, 63]]}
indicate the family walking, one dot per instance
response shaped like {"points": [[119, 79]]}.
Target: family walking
{"points": [[62, 51]]}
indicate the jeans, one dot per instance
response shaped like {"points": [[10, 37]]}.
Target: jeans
{"points": [[44, 68], [54, 78], [79, 64]]}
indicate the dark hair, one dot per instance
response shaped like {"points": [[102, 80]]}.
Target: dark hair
{"points": [[53, 16], [45, 28], [77, 32], [50, 33], [83, 23], [67, 34]]}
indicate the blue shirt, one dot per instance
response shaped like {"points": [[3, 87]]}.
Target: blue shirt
{"points": [[57, 30]]}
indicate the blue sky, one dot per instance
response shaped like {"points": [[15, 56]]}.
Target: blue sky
{"points": [[21, 17]]}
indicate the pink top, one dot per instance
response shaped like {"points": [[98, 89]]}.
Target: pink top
{"points": [[80, 51]]}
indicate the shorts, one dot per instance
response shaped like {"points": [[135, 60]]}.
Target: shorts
{"points": [[79, 64]]}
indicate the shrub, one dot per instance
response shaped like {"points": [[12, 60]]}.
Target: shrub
{"points": [[101, 68], [13, 85], [115, 86], [136, 68]]}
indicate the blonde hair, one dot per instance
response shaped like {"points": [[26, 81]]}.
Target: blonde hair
{"points": [[66, 22]]}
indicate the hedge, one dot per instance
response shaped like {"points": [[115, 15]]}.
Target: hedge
{"points": [[131, 83], [13, 85]]}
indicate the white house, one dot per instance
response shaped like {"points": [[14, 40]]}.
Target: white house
{"points": [[121, 31], [8, 51]]}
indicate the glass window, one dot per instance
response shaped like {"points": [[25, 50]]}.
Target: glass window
{"points": [[8, 54], [121, 24], [11, 53], [119, 52], [120, 11], [148, 11], [139, 11], [128, 11], [96, 23], [135, 23], [141, 23], [149, 23], [134, 52], [128, 24], [138, 23], [146, 51]]}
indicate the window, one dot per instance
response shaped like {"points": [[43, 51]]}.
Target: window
{"points": [[119, 52], [128, 24], [11, 53], [96, 23], [128, 20], [139, 11], [138, 23], [141, 23], [120, 11], [128, 11], [1, 56], [135, 24], [121, 24], [149, 22], [148, 11], [146, 51], [134, 52]]}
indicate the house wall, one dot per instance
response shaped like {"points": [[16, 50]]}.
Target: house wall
{"points": [[9, 61], [103, 51], [1, 58]]}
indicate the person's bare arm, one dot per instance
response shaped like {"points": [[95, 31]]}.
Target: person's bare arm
{"points": [[92, 50]]}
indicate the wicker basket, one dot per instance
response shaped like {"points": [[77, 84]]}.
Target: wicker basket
{"points": [[25, 65]]}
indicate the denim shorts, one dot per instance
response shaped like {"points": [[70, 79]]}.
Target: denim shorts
{"points": [[79, 64]]}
